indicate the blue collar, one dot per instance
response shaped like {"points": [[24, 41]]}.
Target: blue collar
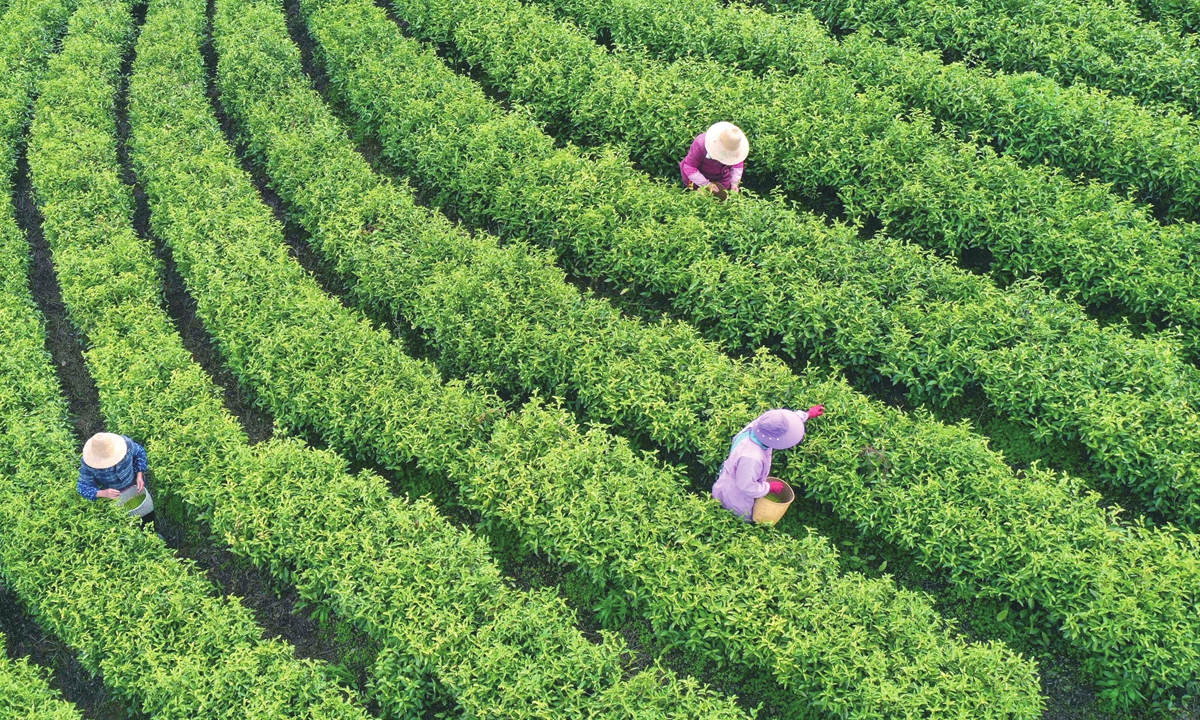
{"points": [[743, 435]]}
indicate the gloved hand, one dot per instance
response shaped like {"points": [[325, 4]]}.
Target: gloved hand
{"points": [[816, 411], [776, 486]]}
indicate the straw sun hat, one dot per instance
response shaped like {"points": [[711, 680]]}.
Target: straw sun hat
{"points": [[726, 143], [103, 450]]}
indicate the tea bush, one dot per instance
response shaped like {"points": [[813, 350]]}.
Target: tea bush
{"points": [[110, 590], [1183, 14], [750, 273], [506, 316], [25, 694], [427, 591], [316, 365], [815, 130], [451, 633], [29, 30], [1097, 42], [1151, 153]]}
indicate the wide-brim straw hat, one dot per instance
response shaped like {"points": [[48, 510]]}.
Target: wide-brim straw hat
{"points": [[780, 429], [103, 450], [726, 143]]}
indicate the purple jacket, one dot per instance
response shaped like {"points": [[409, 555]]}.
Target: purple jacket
{"points": [[699, 169], [744, 475]]}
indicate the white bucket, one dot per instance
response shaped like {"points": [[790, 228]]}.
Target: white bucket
{"points": [[144, 508]]}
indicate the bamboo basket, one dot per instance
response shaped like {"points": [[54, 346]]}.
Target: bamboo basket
{"points": [[768, 512]]}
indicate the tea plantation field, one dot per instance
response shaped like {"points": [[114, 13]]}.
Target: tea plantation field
{"points": [[435, 362]]}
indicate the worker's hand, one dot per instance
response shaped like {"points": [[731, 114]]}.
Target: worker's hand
{"points": [[109, 494], [717, 190], [776, 486], [734, 188], [816, 411], [141, 482]]}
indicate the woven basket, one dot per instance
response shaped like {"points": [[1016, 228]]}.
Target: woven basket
{"points": [[768, 512]]}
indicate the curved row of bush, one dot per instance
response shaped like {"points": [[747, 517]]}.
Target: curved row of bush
{"points": [[155, 628], [915, 321], [814, 131], [703, 578], [1153, 155], [29, 30], [108, 588], [24, 693], [1076, 41], [447, 625], [506, 316]]}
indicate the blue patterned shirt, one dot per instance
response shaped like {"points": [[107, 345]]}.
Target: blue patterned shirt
{"points": [[117, 477]]}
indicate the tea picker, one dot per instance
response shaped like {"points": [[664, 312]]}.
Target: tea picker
{"points": [[746, 473], [114, 468], [716, 160]]}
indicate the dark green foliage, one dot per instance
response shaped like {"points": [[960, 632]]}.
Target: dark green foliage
{"points": [[24, 694], [428, 592], [316, 365], [751, 272], [1097, 42], [814, 131], [104, 585], [29, 30], [506, 316], [1151, 153], [1175, 14]]}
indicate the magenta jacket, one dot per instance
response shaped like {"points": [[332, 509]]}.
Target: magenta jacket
{"points": [[699, 169]]}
